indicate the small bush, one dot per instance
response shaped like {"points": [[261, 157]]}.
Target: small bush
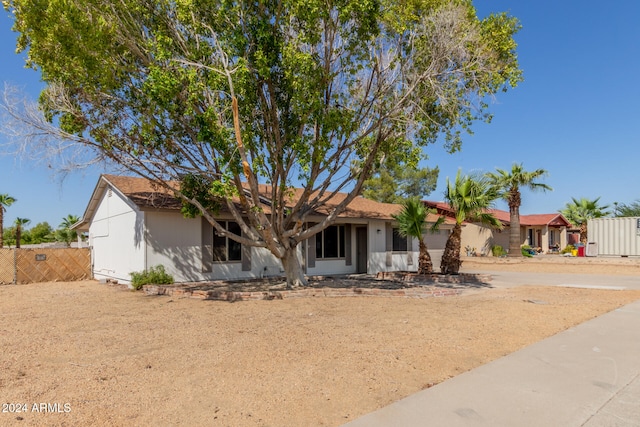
{"points": [[498, 251], [568, 249], [527, 251], [155, 275]]}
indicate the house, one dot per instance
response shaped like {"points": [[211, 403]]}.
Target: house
{"points": [[133, 225], [544, 231]]}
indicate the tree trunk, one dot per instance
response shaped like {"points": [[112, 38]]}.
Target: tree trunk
{"points": [[292, 268], [514, 232], [18, 236], [425, 265], [583, 233], [451, 257]]}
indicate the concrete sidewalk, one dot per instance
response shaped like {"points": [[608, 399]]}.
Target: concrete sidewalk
{"points": [[586, 376]]}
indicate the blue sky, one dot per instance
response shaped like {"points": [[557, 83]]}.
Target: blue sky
{"points": [[576, 114]]}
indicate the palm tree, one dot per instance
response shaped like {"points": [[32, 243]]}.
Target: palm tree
{"points": [[508, 184], [68, 221], [19, 223], [469, 197], [623, 209], [64, 229], [578, 212], [412, 223], [5, 201]]}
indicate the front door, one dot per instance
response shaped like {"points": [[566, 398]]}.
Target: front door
{"points": [[361, 250]]}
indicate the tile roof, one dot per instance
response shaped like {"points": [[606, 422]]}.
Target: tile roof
{"points": [[552, 219], [144, 193], [148, 195]]}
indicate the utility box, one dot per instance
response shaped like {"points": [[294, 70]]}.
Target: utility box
{"points": [[592, 249]]}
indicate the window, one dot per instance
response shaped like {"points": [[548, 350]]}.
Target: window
{"points": [[399, 242], [330, 242], [224, 248]]}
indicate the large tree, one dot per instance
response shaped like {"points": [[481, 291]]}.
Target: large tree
{"points": [[398, 182], [469, 197], [5, 201], [39, 233], [223, 96], [579, 211], [508, 185], [412, 223]]}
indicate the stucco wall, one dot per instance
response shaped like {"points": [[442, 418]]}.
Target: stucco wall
{"points": [[121, 247], [176, 243], [483, 238], [115, 235]]}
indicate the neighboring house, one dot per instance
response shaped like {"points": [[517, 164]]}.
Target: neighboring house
{"points": [[134, 225], [544, 231]]}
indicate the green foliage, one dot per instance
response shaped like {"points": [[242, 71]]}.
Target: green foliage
{"points": [[498, 251], [509, 183], [208, 194], [19, 223], [9, 236], [568, 249], [412, 219], [64, 232], [156, 275], [626, 210], [399, 182], [39, 233], [527, 251], [245, 93], [6, 201], [469, 197], [579, 211]]}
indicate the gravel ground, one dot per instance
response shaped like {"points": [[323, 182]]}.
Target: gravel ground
{"points": [[82, 353]]}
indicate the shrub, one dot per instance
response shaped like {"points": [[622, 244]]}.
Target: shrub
{"points": [[527, 251], [155, 275], [498, 251], [568, 249]]}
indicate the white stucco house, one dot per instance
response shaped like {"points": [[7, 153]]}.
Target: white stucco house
{"points": [[133, 225]]}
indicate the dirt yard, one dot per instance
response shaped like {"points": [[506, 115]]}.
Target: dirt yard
{"points": [[88, 354]]}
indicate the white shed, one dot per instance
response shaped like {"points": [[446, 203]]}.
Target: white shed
{"points": [[615, 236]]}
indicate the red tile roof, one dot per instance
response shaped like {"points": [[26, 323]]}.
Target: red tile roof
{"points": [[552, 219]]}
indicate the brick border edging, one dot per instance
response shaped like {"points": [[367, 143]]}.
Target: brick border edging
{"points": [[435, 277], [220, 295]]}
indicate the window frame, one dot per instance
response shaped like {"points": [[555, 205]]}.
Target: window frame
{"points": [[398, 242], [340, 243], [231, 247]]}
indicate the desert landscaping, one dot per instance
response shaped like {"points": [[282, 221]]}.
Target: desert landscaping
{"points": [[95, 354]]}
